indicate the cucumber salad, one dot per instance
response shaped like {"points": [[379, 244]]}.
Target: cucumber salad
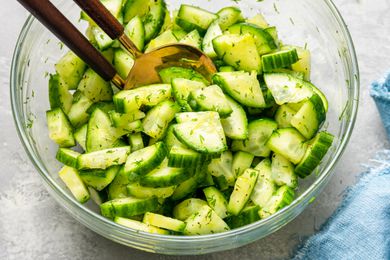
{"points": [[188, 156]]}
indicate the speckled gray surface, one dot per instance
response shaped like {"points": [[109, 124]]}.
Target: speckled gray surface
{"points": [[33, 226]]}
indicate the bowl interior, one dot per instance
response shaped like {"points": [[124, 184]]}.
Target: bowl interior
{"points": [[311, 23]]}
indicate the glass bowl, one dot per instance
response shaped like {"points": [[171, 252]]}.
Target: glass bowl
{"points": [[314, 23]]}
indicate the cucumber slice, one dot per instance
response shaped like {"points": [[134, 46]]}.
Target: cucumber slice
{"points": [[77, 114], [136, 32], [128, 207], [309, 117], [105, 106], [134, 224], [265, 187], [168, 74], [304, 63], [241, 162], [185, 188], [164, 222], [123, 63], [235, 125], [103, 159], [204, 135], [279, 59], [100, 134], [99, 179], [117, 188], [80, 135], [286, 88], [207, 45], [205, 221], [242, 191], [289, 143], [188, 207], [94, 87], [247, 216], [274, 33], [259, 131], [263, 41], [238, 51], [258, 20], [210, 99], [145, 160], [171, 140], [242, 86], [102, 40], [181, 89], [142, 192], [223, 167], [283, 116], [74, 183], [228, 16], [192, 38], [283, 197], [99, 197], [70, 69], [190, 18], [317, 149], [165, 177], [216, 201], [134, 8], [60, 130], [181, 157], [67, 157], [165, 38], [136, 142], [283, 171], [124, 120], [59, 95], [158, 118], [154, 20], [127, 101]]}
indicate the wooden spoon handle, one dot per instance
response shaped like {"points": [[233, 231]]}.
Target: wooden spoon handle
{"points": [[108, 23], [59, 25]]}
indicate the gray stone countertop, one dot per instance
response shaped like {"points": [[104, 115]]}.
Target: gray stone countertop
{"points": [[34, 226]]}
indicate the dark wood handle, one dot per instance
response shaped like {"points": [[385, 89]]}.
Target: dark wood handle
{"points": [[59, 25], [102, 17]]}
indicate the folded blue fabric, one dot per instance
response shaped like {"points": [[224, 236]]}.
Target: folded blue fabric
{"points": [[360, 228]]}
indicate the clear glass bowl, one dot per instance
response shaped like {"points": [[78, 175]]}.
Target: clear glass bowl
{"points": [[315, 23]]}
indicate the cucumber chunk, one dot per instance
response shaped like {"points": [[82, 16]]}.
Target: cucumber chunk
{"points": [[128, 207], [228, 16], [210, 99], [60, 130], [264, 187], [279, 59], [164, 222], [123, 63], [205, 221], [238, 51], [74, 183], [235, 125], [181, 89], [242, 86], [165, 38], [134, 224], [103, 159], [247, 216], [181, 157], [289, 143], [283, 171], [190, 18], [77, 114], [94, 87], [192, 38], [165, 176], [207, 45], [222, 167], [99, 179], [136, 32], [168, 74], [263, 40], [283, 197], [59, 96], [259, 131], [317, 149], [216, 201], [309, 117], [188, 207], [67, 157], [145, 160], [117, 188], [142, 192], [242, 191], [136, 142], [241, 162], [283, 116], [80, 135], [70, 69]]}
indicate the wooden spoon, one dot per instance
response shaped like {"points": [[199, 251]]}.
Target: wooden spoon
{"points": [[146, 66]]}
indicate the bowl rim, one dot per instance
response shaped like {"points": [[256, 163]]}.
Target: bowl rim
{"points": [[354, 84]]}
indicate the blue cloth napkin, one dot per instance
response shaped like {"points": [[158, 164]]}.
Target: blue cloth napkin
{"points": [[360, 228]]}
